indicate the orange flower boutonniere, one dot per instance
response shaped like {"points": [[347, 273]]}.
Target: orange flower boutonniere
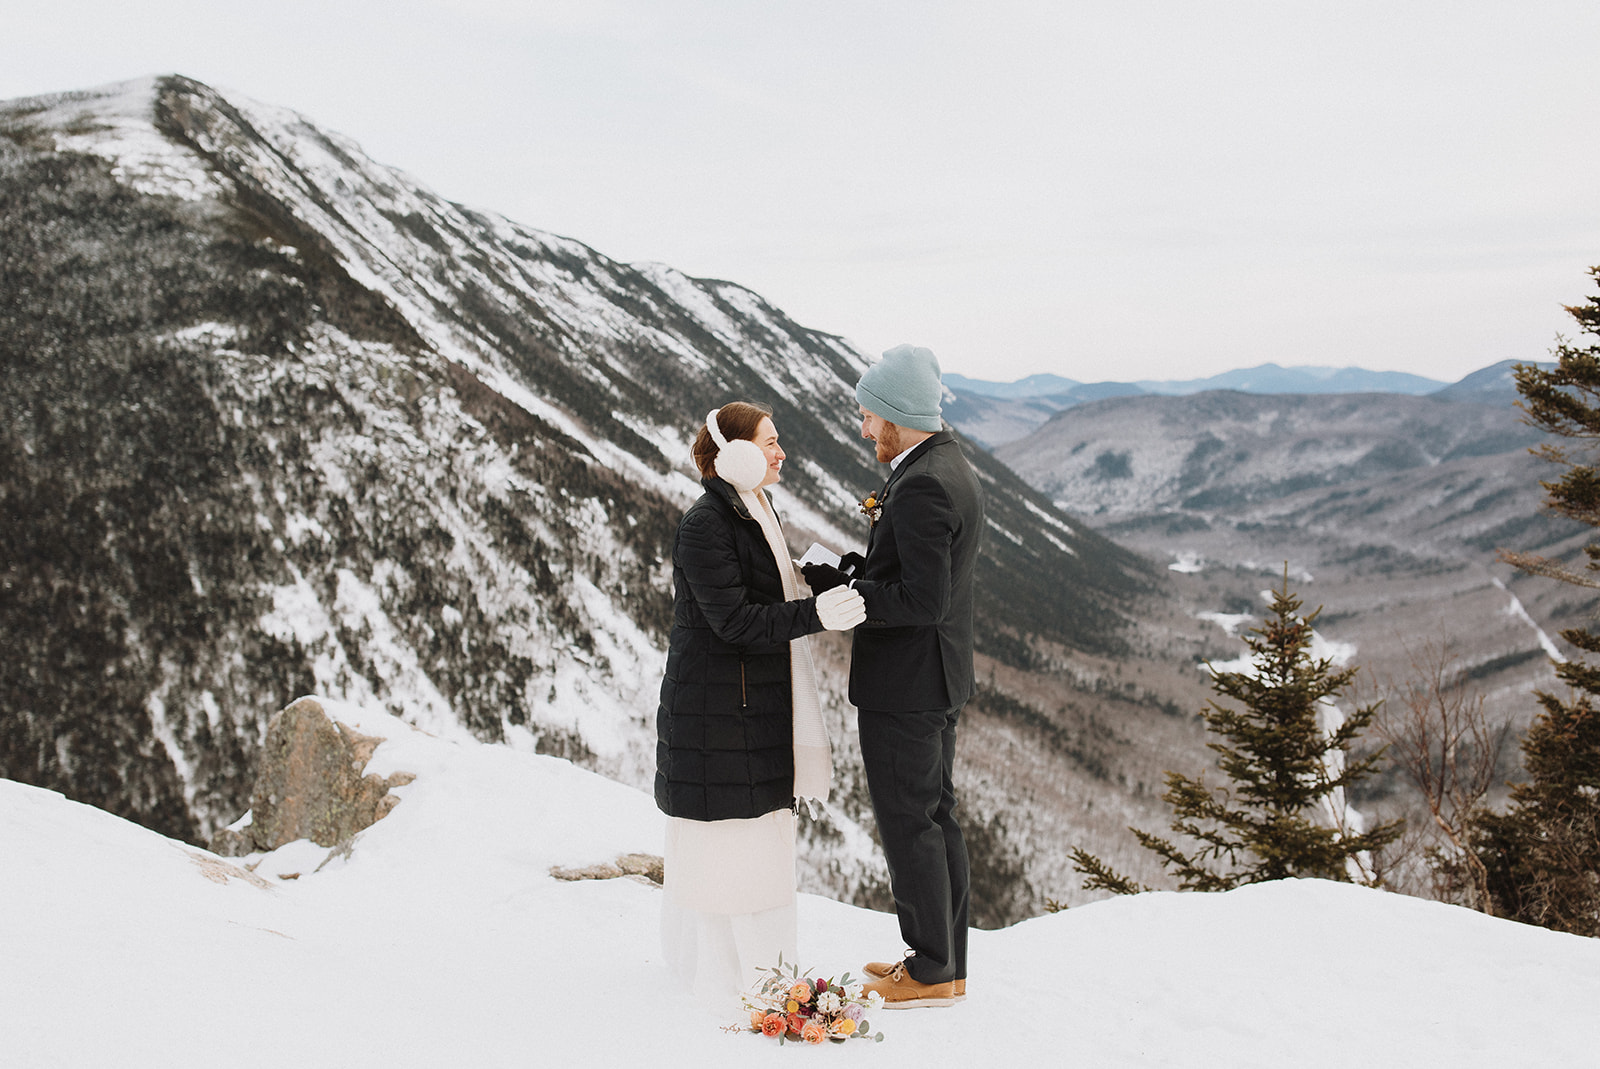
{"points": [[872, 508]]}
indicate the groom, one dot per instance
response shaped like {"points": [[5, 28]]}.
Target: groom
{"points": [[911, 668]]}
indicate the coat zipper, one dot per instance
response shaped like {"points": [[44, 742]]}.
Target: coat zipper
{"points": [[744, 701]]}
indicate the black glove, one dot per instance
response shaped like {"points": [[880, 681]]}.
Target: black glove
{"points": [[820, 577], [850, 564]]}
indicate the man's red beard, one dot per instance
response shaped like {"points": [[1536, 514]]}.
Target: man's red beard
{"points": [[889, 442]]}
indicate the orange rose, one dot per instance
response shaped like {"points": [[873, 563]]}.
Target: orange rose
{"points": [[844, 1026], [756, 1017], [801, 993], [813, 1032], [772, 1024], [796, 1022]]}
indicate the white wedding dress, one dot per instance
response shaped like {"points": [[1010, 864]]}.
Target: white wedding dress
{"points": [[728, 905]]}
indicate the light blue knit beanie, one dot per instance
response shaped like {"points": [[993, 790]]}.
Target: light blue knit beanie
{"points": [[904, 388]]}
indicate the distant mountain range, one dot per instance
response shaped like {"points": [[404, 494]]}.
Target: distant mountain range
{"points": [[994, 413], [1266, 378]]}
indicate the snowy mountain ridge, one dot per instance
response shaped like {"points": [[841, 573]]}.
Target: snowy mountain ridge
{"points": [[280, 420]]}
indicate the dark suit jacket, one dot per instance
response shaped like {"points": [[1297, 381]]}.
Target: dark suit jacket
{"points": [[914, 652]]}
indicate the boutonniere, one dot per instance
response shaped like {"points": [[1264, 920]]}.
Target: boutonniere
{"points": [[872, 508]]}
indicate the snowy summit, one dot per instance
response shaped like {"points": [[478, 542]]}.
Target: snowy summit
{"points": [[442, 939]]}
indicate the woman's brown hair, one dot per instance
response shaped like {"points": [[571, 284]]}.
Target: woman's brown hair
{"points": [[736, 419]]}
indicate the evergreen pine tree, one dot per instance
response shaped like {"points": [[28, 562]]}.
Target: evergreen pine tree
{"points": [[1543, 853], [1283, 813]]}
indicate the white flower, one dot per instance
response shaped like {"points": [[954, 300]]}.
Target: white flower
{"points": [[852, 992], [828, 1002]]}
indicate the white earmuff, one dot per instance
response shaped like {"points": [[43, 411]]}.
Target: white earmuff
{"points": [[740, 463]]}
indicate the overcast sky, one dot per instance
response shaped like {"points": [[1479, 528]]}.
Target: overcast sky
{"points": [[1106, 189]]}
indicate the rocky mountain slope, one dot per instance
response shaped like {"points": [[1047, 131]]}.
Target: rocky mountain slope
{"points": [[280, 420]]}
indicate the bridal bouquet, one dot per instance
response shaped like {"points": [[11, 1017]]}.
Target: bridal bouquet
{"points": [[795, 1008]]}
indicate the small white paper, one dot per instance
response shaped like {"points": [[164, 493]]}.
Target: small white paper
{"points": [[818, 554]]}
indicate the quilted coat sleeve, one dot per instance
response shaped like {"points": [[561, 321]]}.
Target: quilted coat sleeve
{"points": [[736, 612]]}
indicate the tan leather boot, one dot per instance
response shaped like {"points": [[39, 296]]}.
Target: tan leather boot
{"points": [[877, 970], [900, 992]]}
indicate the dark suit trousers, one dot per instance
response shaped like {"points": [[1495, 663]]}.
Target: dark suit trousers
{"points": [[909, 758]]}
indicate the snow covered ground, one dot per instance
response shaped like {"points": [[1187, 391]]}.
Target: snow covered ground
{"points": [[441, 940]]}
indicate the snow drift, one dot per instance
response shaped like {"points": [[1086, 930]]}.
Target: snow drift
{"points": [[441, 939]]}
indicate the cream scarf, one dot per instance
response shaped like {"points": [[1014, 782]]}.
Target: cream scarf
{"points": [[813, 759]]}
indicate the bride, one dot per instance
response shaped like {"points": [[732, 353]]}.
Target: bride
{"points": [[739, 730]]}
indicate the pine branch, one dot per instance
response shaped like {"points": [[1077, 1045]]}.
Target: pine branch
{"points": [[1098, 876], [1534, 564]]}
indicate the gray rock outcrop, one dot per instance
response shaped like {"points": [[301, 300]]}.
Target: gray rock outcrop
{"points": [[644, 867], [310, 784]]}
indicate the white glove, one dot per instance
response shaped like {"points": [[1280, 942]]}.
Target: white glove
{"points": [[840, 609]]}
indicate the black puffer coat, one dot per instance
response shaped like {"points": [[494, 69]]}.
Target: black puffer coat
{"points": [[725, 734]]}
